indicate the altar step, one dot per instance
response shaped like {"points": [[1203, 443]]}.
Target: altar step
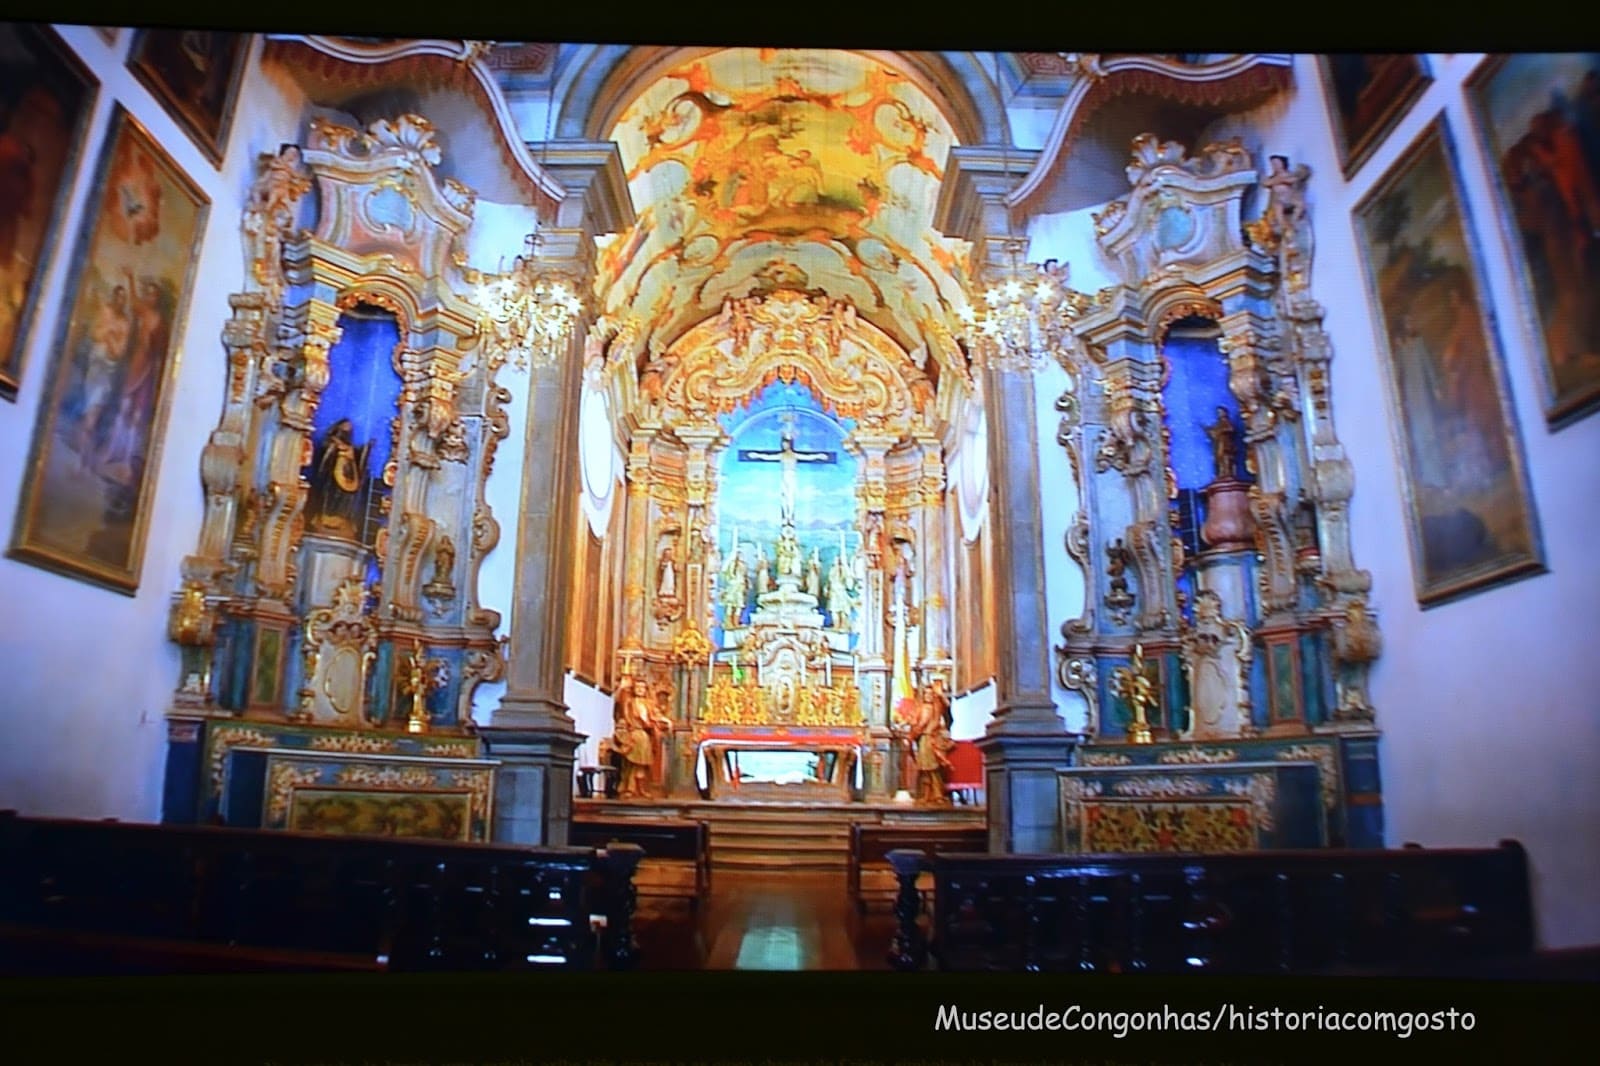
{"points": [[780, 836], [744, 838]]}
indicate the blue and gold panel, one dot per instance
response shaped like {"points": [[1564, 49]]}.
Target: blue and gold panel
{"points": [[1242, 806], [1349, 800], [221, 736], [368, 795]]}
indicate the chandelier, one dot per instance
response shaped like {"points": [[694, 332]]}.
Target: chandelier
{"points": [[528, 315], [1023, 316]]}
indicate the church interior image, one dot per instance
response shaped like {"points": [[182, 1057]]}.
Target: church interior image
{"points": [[785, 508]]}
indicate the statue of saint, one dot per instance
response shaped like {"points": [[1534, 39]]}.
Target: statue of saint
{"points": [[667, 573], [633, 738], [931, 737], [788, 553], [444, 561], [839, 601], [814, 574], [338, 480], [1117, 559], [1224, 445], [763, 573], [735, 588]]}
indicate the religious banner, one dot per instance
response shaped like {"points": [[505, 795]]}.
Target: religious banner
{"points": [[46, 97], [1540, 116], [1471, 515], [86, 504], [195, 74], [1368, 93]]}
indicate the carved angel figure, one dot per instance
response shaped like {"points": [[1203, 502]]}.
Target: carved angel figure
{"points": [[269, 212], [1287, 219]]}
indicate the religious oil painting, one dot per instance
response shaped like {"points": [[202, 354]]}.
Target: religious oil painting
{"points": [[1369, 92], [46, 97], [1540, 117], [1471, 515], [91, 478], [195, 74]]}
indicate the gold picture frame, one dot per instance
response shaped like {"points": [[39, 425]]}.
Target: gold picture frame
{"points": [[195, 74], [91, 476], [1367, 94], [1470, 517], [53, 96], [1555, 255]]}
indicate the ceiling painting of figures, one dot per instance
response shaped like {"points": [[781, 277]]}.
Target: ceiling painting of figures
{"points": [[755, 168]]}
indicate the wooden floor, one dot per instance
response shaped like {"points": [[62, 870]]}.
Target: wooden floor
{"points": [[765, 921]]}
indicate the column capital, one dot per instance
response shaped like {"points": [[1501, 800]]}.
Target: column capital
{"points": [[977, 180], [595, 181]]}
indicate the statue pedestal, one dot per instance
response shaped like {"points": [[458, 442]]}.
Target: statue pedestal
{"points": [[1228, 525], [788, 606]]}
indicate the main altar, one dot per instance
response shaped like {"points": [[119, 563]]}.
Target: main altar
{"points": [[785, 625]]}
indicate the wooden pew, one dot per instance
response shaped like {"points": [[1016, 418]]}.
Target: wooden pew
{"points": [[677, 853], [1412, 911], [202, 896], [869, 875]]}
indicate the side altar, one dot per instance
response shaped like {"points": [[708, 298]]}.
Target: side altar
{"points": [[331, 635], [1226, 637]]}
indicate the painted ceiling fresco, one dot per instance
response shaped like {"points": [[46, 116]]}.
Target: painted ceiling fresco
{"points": [[760, 168]]}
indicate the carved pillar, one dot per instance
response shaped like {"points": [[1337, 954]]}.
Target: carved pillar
{"points": [[636, 541], [531, 732], [935, 595], [1249, 346], [313, 331], [1026, 743]]}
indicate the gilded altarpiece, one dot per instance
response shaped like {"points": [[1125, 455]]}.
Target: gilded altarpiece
{"points": [[1224, 648], [784, 544], [330, 605]]}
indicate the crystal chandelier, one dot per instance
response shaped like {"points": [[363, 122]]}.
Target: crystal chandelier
{"points": [[1022, 317], [527, 315]]}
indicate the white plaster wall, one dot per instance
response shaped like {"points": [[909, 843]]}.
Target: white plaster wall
{"points": [[591, 710], [970, 713], [496, 238], [1069, 237], [89, 672], [1488, 705]]}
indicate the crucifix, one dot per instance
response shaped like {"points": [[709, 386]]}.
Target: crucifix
{"points": [[790, 459]]}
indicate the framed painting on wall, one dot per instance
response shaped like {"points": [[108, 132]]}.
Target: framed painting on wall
{"points": [[1368, 93], [46, 100], [1540, 118], [1470, 514], [195, 74], [91, 477]]}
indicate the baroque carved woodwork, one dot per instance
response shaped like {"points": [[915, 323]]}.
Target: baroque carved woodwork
{"points": [[352, 602], [1266, 571]]}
